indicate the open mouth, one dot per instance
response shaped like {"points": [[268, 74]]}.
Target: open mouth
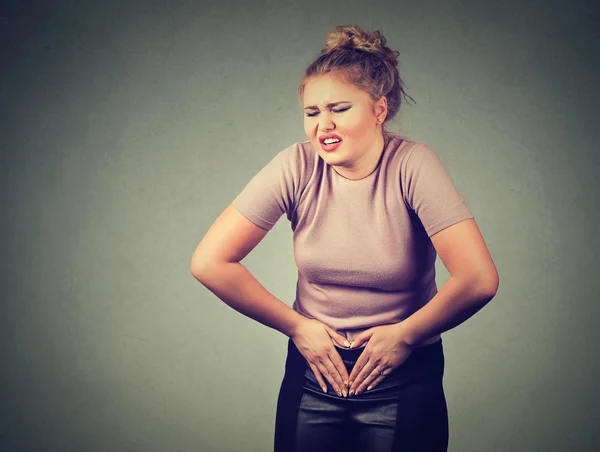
{"points": [[330, 146]]}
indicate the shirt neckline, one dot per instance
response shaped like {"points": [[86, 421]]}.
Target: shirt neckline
{"points": [[386, 142]]}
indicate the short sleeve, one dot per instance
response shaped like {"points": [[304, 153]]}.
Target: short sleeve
{"points": [[430, 192], [271, 191]]}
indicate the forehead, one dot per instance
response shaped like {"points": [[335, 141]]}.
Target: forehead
{"points": [[324, 89]]}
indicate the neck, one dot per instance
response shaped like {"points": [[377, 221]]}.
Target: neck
{"points": [[367, 163]]}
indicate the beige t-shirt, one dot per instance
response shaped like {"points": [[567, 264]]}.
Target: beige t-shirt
{"points": [[362, 247]]}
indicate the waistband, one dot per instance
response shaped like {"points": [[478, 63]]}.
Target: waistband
{"points": [[352, 355], [423, 362]]}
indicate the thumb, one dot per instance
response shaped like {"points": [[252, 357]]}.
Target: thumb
{"points": [[362, 338], [341, 340]]}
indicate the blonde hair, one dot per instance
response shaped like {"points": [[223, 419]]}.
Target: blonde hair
{"points": [[362, 59]]}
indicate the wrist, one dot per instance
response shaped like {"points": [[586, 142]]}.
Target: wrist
{"points": [[403, 337], [297, 322]]}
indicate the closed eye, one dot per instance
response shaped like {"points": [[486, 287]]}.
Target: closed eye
{"points": [[310, 115]]}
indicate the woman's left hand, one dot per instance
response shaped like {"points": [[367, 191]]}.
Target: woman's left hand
{"points": [[384, 352]]}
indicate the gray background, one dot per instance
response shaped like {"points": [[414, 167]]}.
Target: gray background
{"points": [[127, 127]]}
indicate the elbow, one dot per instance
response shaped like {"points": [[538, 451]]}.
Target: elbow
{"points": [[198, 267], [488, 286], [202, 269], [195, 271], [482, 285]]}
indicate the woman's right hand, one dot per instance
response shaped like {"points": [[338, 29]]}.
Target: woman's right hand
{"points": [[314, 341]]}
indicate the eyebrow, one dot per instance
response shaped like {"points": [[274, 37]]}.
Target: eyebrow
{"points": [[331, 104]]}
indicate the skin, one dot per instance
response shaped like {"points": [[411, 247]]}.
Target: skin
{"points": [[358, 121], [473, 276], [355, 121], [386, 351]]}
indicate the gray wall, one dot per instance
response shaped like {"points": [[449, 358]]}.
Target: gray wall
{"points": [[127, 127]]}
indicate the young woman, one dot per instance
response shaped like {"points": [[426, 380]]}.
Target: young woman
{"points": [[370, 211]]}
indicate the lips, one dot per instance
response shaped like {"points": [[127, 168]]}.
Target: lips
{"points": [[330, 147], [331, 135]]}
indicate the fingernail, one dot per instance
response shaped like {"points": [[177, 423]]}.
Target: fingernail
{"points": [[358, 392], [324, 388], [369, 388], [345, 393], [352, 344], [346, 383], [347, 344], [351, 392]]}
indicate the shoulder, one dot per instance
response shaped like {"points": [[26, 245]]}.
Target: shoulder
{"points": [[299, 152], [404, 152], [410, 149], [296, 165], [294, 161], [301, 158], [413, 157]]}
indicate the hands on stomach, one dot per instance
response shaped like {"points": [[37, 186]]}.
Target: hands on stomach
{"points": [[385, 350], [315, 341]]}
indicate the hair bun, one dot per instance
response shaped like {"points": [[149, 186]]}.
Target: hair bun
{"points": [[352, 37], [364, 61]]}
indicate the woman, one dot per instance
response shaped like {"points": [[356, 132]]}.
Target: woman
{"points": [[370, 211]]}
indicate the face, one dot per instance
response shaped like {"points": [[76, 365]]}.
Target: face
{"points": [[353, 118]]}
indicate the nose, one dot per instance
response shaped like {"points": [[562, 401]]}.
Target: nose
{"points": [[326, 122]]}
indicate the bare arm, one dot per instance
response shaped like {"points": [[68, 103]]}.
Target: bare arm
{"points": [[472, 284], [216, 265], [235, 285]]}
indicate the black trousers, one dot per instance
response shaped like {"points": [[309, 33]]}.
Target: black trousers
{"points": [[406, 412]]}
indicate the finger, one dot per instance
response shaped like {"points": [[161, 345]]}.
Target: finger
{"points": [[362, 376], [358, 366], [318, 376], [332, 374], [328, 370], [362, 338], [338, 363], [337, 337], [368, 381], [376, 382]]}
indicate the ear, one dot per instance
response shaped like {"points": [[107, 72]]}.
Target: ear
{"points": [[380, 107]]}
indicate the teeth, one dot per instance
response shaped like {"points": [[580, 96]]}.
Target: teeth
{"points": [[331, 140]]}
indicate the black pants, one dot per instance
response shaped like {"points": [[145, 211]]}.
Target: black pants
{"points": [[406, 412]]}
